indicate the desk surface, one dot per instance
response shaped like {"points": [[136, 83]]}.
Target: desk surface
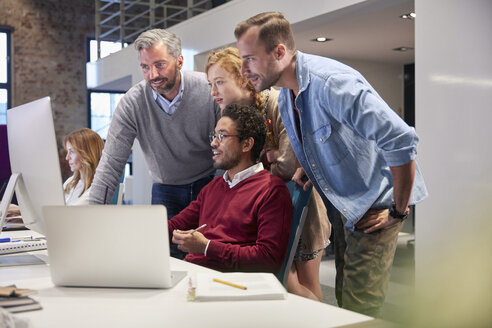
{"points": [[114, 307]]}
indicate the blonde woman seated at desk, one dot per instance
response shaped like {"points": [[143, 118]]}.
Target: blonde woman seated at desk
{"points": [[84, 148], [228, 86]]}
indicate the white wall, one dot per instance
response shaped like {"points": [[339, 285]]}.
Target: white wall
{"points": [[215, 28], [119, 66], [209, 30], [387, 79], [453, 118]]}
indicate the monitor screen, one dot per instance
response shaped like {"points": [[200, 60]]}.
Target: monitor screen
{"points": [[34, 155]]}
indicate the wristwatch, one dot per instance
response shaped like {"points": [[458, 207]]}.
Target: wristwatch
{"points": [[395, 214]]}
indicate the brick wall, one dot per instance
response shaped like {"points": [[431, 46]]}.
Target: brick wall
{"points": [[49, 56]]}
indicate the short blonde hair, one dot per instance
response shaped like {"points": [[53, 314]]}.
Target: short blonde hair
{"points": [[88, 146]]}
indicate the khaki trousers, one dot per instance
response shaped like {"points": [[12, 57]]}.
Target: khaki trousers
{"points": [[363, 264]]}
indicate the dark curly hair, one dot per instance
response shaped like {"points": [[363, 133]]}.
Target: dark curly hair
{"points": [[249, 123]]}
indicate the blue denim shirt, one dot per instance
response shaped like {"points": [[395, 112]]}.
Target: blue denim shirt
{"points": [[350, 137]]}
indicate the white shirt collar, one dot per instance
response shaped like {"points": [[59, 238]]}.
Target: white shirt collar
{"points": [[243, 175]]}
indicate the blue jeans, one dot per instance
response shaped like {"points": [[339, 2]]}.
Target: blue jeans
{"points": [[176, 198]]}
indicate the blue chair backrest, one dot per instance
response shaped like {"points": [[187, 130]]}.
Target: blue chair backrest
{"points": [[118, 191], [300, 199]]}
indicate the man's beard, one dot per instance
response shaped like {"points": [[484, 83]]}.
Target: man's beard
{"points": [[269, 81], [169, 85], [228, 163]]}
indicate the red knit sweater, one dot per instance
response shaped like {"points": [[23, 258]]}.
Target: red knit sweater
{"points": [[248, 225]]}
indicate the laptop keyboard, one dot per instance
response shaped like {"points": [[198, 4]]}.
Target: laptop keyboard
{"points": [[22, 246]]}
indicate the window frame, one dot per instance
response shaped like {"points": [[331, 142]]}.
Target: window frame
{"points": [[88, 47], [89, 92], [128, 166], [8, 85]]}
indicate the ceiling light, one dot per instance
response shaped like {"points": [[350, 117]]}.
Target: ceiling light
{"points": [[408, 16], [402, 49], [321, 39]]}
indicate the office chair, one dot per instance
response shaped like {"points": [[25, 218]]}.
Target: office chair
{"points": [[118, 193], [300, 199]]}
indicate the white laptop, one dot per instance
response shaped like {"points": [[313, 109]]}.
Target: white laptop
{"points": [[109, 246]]}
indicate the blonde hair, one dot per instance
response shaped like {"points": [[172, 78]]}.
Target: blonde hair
{"points": [[228, 59], [88, 146]]}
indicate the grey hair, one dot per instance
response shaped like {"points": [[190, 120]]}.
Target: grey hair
{"points": [[148, 38]]}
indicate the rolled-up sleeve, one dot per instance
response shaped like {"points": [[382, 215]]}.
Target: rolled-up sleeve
{"points": [[358, 105]]}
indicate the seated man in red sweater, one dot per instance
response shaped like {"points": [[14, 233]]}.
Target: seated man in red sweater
{"points": [[247, 211]]}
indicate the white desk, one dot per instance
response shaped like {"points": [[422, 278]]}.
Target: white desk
{"points": [[111, 307]]}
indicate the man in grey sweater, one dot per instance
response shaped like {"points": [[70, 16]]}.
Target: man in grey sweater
{"points": [[171, 114]]}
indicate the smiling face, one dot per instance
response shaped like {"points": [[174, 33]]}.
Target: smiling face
{"points": [[259, 67], [226, 88], [228, 152], [73, 158], [161, 69]]}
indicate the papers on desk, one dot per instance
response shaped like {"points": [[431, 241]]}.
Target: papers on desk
{"points": [[19, 304], [15, 299], [238, 286], [13, 223]]}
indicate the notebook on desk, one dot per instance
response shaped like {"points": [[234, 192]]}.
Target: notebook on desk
{"points": [[109, 246]]}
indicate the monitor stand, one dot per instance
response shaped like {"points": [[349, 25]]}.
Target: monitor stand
{"points": [[7, 198], [15, 258]]}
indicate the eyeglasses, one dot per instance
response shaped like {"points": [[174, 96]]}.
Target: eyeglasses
{"points": [[220, 136], [158, 66]]}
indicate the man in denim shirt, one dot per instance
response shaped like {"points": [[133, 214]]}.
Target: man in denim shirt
{"points": [[356, 151]]}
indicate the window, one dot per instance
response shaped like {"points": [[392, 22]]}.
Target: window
{"points": [[5, 79], [102, 102], [102, 105], [107, 48]]}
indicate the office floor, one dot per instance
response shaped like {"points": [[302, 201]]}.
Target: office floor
{"points": [[401, 284]]}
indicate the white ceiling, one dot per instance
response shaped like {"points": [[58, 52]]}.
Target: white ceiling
{"points": [[367, 31]]}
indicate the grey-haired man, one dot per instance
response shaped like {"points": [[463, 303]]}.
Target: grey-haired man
{"points": [[170, 113]]}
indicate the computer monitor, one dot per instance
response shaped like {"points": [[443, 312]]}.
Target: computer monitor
{"points": [[34, 162]]}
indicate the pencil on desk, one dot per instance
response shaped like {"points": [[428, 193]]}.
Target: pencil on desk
{"points": [[230, 284]]}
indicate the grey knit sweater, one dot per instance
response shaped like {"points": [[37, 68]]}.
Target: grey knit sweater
{"points": [[176, 147]]}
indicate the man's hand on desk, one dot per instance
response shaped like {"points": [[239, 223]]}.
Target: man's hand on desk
{"points": [[190, 241], [13, 210]]}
